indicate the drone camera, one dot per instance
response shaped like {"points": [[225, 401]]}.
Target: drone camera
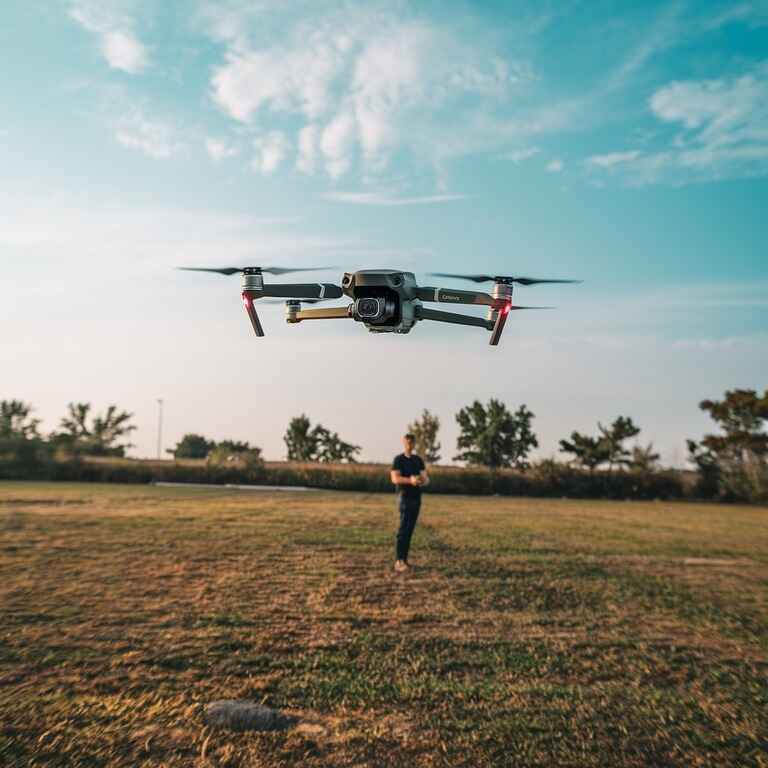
{"points": [[374, 309], [369, 309]]}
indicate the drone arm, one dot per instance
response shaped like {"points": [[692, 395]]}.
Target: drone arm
{"points": [[326, 313], [451, 296], [301, 290], [422, 313]]}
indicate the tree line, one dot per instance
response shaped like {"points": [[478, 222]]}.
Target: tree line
{"points": [[80, 432], [732, 464]]}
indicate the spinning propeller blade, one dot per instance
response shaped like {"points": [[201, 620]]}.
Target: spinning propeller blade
{"points": [[268, 270], [282, 301], [501, 279]]}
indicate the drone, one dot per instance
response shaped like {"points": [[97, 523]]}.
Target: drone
{"points": [[384, 300]]}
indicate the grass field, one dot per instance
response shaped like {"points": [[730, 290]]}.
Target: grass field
{"points": [[530, 633]]}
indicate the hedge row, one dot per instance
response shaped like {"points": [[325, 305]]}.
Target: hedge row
{"points": [[549, 479]]}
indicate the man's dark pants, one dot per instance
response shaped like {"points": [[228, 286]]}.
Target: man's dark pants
{"points": [[409, 513]]}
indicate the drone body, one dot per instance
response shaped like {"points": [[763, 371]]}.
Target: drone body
{"points": [[384, 300]]}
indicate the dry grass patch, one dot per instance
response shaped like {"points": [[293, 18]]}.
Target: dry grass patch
{"points": [[531, 632]]}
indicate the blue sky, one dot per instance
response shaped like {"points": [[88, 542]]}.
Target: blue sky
{"points": [[623, 144]]}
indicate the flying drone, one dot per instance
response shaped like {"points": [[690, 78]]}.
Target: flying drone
{"points": [[384, 300]]}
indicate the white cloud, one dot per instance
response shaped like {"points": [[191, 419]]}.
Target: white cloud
{"points": [[123, 50], [721, 112], [219, 149], [374, 198], [721, 131], [270, 151], [519, 155], [155, 138], [283, 80], [336, 144], [366, 82], [308, 141], [555, 166], [612, 158], [117, 41]]}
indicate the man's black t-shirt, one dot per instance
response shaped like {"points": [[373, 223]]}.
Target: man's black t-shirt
{"points": [[407, 466]]}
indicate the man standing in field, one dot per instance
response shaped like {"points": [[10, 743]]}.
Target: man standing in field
{"points": [[408, 475]]}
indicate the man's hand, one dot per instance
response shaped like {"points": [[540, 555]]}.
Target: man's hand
{"points": [[416, 480]]}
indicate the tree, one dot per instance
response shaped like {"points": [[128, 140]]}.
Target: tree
{"points": [[613, 438], [111, 427], [307, 443], [644, 459], [192, 446], [75, 425], [589, 452], [425, 431], [707, 466], [330, 447], [739, 455], [607, 448], [98, 439], [494, 437], [300, 440], [16, 420], [22, 450]]}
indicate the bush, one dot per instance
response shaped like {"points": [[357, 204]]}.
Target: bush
{"points": [[248, 461], [25, 458], [546, 478]]}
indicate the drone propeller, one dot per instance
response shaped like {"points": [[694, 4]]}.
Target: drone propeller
{"points": [[283, 301], [501, 279], [268, 270]]}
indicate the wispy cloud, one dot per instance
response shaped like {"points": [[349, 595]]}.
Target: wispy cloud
{"points": [[519, 155], [754, 14], [155, 138], [663, 33], [119, 45], [612, 158], [721, 132], [269, 151], [374, 198], [220, 149], [555, 166]]}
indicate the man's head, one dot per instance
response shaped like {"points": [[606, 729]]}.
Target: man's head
{"points": [[409, 443]]}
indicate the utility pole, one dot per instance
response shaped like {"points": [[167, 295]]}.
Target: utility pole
{"points": [[159, 427]]}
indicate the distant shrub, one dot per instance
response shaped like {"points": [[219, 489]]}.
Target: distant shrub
{"points": [[192, 446], [546, 478], [22, 458], [246, 459]]}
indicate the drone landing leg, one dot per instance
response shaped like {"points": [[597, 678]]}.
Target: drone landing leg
{"points": [[498, 326], [251, 310]]}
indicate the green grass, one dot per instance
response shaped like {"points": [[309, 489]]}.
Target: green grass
{"points": [[530, 632]]}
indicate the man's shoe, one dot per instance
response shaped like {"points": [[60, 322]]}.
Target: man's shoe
{"points": [[400, 566]]}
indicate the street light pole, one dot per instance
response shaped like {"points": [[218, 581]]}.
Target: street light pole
{"points": [[159, 427]]}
